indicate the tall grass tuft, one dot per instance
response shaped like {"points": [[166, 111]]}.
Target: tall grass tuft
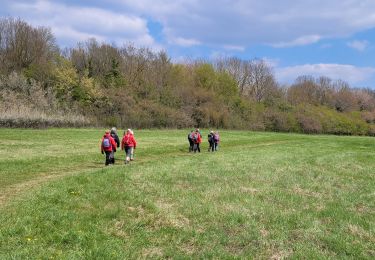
{"points": [[24, 117], [25, 103]]}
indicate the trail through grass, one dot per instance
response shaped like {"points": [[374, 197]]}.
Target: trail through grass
{"points": [[262, 195]]}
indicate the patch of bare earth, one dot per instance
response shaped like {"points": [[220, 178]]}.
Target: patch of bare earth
{"points": [[249, 190], [152, 252], [170, 217], [283, 254], [304, 192], [360, 232]]}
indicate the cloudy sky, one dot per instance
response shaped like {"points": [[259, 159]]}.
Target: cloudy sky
{"points": [[335, 38]]}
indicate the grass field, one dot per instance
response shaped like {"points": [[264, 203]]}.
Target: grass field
{"points": [[262, 195]]}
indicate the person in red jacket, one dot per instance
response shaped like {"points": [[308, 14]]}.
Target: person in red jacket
{"points": [[128, 144], [197, 139], [108, 146]]}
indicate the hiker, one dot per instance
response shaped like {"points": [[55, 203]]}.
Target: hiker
{"points": [[216, 140], [117, 140], [211, 142], [197, 139], [191, 142], [128, 144], [108, 147]]}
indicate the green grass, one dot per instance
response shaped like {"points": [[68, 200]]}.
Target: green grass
{"points": [[262, 195]]}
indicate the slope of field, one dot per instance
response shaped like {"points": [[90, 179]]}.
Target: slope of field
{"points": [[263, 195]]}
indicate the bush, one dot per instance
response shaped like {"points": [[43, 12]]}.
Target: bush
{"points": [[277, 121], [368, 116], [371, 130], [309, 125]]}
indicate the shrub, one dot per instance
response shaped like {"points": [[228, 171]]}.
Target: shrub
{"points": [[309, 125], [371, 130], [276, 121], [368, 116]]}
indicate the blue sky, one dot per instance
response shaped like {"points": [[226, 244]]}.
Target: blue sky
{"points": [[335, 38]]}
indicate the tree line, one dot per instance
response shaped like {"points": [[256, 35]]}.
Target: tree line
{"points": [[100, 84]]}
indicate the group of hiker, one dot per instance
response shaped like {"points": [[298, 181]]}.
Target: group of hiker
{"points": [[195, 139], [110, 142]]}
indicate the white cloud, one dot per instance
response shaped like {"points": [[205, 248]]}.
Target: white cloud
{"points": [[71, 24], [234, 47], [303, 40], [353, 75], [64, 32], [271, 62], [358, 45], [184, 42], [220, 24], [245, 22]]}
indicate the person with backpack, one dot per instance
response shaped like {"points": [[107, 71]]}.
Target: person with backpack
{"points": [[191, 142], [117, 140], [216, 140], [108, 147], [211, 142], [197, 139], [128, 144]]}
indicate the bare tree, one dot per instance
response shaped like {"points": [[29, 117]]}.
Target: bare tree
{"points": [[254, 78], [102, 58], [325, 90], [135, 63], [161, 67], [79, 58], [22, 45], [344, 99], [365, 99], [261, 80], [238, 69]]}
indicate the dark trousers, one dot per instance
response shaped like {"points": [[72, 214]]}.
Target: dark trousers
{"points": [[212, 147], [112, 157], [216, 145], [191, 147], [107, 157], [197, 148]]}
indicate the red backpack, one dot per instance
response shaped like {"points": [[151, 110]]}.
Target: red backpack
{"points": [[195, 137], [126, 139]]}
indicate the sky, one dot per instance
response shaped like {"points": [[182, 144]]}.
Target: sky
{"points": [[333, 38]]}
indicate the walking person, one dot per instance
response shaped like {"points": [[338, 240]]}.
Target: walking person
{"points": [[117, 140], [216, 140], [108, 147], [128, 144], [211, 141], [197, 139], [191, 142]]}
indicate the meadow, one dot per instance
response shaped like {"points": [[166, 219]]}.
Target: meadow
{"points": [[262, 195]]}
